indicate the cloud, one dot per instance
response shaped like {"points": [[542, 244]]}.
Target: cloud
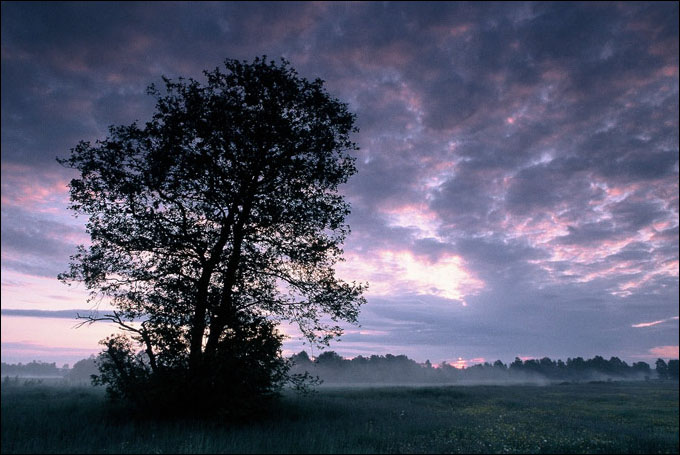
{"points": [[653, 323], [401, 272], [34, 243], [522, 158], [665, 351], [59, 314], [37, 349]]}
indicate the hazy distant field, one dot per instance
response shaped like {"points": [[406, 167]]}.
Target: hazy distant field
{"points": [[575, 418]]}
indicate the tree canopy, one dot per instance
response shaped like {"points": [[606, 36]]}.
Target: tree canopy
{"points": [[214, 222]]}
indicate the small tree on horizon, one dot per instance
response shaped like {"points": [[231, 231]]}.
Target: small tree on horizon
{"points": [[210, 225], [661, 369]]}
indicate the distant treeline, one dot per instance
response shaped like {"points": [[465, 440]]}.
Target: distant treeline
{"points": [[80, 372], [332, 368], [34, 368]]}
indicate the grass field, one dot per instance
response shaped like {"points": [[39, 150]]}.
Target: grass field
{"points": [[573, 418]]}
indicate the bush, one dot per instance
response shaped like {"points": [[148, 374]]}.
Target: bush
{"points": [[238, 383]]}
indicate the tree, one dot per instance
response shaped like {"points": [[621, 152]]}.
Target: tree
{"points": [[301, 358], [83, 370], [661, 369], [330, 358], [673, 369], [517, 364], [210, 225], [643, 369]]}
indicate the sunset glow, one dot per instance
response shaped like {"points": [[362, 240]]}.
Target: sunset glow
{"points": [[395, 272]]}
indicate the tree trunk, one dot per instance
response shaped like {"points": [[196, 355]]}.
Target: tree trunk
{"points": [[198, 323], [221, 316]]}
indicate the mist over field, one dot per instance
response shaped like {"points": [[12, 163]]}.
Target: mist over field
{"points": [[333, 370]]}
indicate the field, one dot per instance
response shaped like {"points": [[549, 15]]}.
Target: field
{"points": [[571, 418]]}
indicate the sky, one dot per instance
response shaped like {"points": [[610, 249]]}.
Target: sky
{"points": [[517, 185]]}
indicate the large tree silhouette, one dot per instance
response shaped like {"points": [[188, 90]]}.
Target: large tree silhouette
{"points": [[211, 224]]}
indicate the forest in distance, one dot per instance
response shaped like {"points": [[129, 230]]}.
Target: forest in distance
{"points": [[331, 368]]}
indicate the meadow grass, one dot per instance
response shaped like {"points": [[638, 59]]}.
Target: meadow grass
{"points": [[574, 418]]}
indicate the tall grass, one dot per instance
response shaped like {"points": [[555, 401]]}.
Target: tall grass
{"points": [[577, 418]]}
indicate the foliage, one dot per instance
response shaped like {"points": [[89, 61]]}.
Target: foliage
{"points": [[217, 220]]}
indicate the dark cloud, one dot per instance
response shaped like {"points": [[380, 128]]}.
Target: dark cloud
{"points": [[466, 200], [624, 156], [61, 314], [634, 251], [562, 31], [588, 233], [535, 189], [36, 245], [634, 215], [28, 235]]}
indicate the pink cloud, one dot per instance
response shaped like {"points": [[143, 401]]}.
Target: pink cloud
{"points": [[653, 323], [366, 332], [53, 334], [23, 187], [666, 351], [414, 216], [554, 73], [45, 293], [458, 30], [669, 71]]}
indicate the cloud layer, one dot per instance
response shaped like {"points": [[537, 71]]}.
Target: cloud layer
{"points": [[517, 190]]}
